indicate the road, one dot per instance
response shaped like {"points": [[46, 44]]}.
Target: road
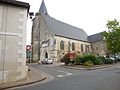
{"points": [[69, 79]]}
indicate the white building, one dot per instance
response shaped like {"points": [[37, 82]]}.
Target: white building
{"points": [[13, 24]]}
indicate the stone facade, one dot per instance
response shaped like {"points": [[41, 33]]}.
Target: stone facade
{"points": [[99, 48], [50, 43], [52, 38], [13, 22]]}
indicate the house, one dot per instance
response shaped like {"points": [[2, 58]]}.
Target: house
{"points": [[52, 38], [13, 23]]}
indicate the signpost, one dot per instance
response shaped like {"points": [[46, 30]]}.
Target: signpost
{"points": [[28, 53]]}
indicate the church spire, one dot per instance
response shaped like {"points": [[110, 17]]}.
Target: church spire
{"points": [[43, 9]]}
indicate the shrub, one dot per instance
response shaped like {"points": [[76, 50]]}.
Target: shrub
{"points": [[101, 59], [89, 57], [108, 61], [72, 62], [78, 59], [88, 63], [66, 59], [97, 62]]}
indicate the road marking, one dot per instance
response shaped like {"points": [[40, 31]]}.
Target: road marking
{"points": [[62, 71], [65, 73], [118, 66], [69, 74], [60, 75]]}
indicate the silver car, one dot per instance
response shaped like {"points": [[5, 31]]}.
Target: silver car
{"points": [[47, 61]]}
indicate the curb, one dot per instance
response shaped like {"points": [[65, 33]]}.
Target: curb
{"points": [[24, 84], [94, 68]]}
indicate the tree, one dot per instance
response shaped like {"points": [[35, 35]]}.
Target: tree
{"points": [[112, 37]]}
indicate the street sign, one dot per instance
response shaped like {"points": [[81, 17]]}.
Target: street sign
{"points": [[28, 47], [71, 55]]}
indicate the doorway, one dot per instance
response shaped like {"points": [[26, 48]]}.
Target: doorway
{"points": [[46, 55]]}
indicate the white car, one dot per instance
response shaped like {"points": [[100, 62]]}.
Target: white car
{"points": [[47, 61]]}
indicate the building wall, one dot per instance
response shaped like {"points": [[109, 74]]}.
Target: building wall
{"points": [[99, 48], [13, 22], [60, 53], [41, 38]]}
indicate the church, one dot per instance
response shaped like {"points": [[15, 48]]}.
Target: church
{"points": [[52, 38]]}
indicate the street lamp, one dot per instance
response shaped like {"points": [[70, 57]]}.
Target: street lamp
{"points": [[31, 14]]}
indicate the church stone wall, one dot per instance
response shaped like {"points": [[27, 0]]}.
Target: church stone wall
{"points": [[99, 48], [60, 53]]}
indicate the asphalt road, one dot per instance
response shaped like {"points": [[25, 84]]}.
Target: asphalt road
{"points": [[69, 79]]}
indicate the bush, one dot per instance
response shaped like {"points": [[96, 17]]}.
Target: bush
{"points": [[72, 62], [101, 59], [66, 59], [88, 63], [108, 61], [97, 62], [78, 59], [89, 57]]}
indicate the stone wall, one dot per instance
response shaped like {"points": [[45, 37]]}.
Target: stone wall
{"points": [[13, 22]]}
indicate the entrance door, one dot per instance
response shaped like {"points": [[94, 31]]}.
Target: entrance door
{"points": [[46, 55]]}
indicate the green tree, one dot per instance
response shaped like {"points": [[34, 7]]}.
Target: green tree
{"points": [[112, 37]]}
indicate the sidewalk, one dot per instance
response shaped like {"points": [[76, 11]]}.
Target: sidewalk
{"points": [[32, 77], [89, 68]]}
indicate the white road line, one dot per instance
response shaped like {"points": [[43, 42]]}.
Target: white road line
{"points": [[69, 74], [62, 71], [118, 66], [65, 73], [60, 75]]}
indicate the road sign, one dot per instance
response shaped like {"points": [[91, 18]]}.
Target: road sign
{"points": [[28, 47]]}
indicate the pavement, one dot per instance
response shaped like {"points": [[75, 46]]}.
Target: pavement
{"points": [[68, 79], [33, 77]]}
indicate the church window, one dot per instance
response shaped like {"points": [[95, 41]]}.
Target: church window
{"points": [[81, 47], [62, 45], [73, 46], [97, 48]]}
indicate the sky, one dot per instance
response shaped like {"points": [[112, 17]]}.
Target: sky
{"points": [[90, 15]]}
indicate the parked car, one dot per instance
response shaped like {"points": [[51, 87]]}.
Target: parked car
{"points": [[47, 61], [116, 58]]}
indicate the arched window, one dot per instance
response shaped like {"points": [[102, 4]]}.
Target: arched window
{"points": [[62, 45], [81, 47], [73, 46]]}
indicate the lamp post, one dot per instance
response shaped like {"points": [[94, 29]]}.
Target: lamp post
{"points": [[31, 14]]}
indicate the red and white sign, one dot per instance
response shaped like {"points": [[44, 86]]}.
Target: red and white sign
{"points": [[71, 55], [28, 47]]}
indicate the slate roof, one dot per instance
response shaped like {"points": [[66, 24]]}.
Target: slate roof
{"points": [[60, 28], [16, 3], [96, 37], [43, 9]]}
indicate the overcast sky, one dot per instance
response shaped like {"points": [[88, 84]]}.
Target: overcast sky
{"points": [[90, 15]]}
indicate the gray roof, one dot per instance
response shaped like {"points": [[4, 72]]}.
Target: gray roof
{"points": [[43, 8], [95, 37], [62, 29], [16, 3], [65, 30]]}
